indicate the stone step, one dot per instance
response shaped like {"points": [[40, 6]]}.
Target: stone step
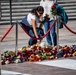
{"points": [[21, 8]]}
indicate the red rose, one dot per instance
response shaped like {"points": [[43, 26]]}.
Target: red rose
{"points": [[53, 6]]}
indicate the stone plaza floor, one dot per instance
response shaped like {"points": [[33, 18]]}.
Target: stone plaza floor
{"points": [[62, 66], [52, 67]]}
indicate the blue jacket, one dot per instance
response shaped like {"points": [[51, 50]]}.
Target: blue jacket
{"points": [[61, 12]]}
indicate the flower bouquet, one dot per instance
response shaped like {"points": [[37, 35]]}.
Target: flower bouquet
{"points": [[54, 10], [37, 53]]}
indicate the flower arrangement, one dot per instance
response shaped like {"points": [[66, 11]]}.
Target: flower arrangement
{"points": [[37, 53], [53, 9]]}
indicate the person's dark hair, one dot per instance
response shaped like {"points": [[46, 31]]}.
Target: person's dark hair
{"points": [[39, 9], [33, 10]]}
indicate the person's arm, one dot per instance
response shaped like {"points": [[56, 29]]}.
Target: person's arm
{"points": [[34, 29]]}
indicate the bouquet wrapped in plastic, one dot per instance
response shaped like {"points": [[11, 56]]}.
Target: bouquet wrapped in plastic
{"points": [[54, 10]]}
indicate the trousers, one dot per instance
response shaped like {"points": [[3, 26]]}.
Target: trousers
{"points": [[50, 40], [29, 29]]}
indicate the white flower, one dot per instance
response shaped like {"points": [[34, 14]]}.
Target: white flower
{"points": [[17, 61], [43, 44], [7, 62]]}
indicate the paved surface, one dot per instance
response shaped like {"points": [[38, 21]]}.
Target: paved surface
{"points": [[65, 36], [51, 67], [61, 66]]}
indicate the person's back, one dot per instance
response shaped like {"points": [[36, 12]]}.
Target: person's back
{"points": [[47, 4]]}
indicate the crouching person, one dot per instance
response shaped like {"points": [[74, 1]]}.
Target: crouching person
{"points": [[32, 24]]}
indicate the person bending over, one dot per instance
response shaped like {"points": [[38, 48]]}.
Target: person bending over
{"points": [[32, 24]]}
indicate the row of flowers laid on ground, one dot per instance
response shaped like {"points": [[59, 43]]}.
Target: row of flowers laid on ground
{"points": [[37, 53]]}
